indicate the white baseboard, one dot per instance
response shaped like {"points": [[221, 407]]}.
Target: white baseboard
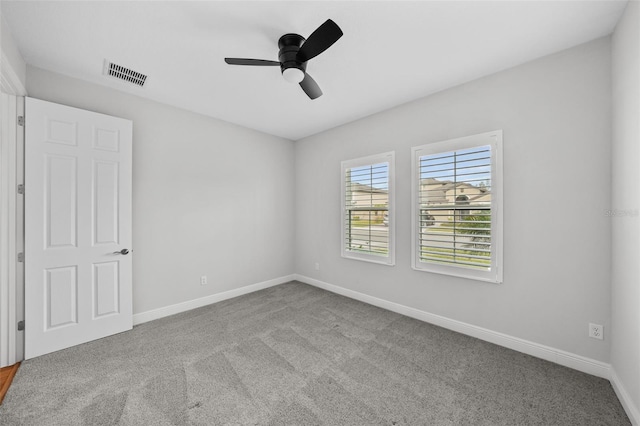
{"points": [[625, 399], [207, 300], [567, 359]]}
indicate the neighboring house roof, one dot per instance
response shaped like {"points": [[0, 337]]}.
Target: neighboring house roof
{"points": [[445, 191], [358, 187]]}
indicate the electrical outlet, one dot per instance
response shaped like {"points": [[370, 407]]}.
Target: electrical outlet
{"points": [[596, 331], [203, 280], [317, 266]]}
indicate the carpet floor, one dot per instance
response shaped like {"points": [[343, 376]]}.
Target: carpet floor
{"points": [[297, 355]]}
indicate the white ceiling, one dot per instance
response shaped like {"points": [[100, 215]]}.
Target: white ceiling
{"points": [[392, 52]]}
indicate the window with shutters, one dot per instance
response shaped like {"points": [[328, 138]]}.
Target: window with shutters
{"points": [[457, 207], [368, 209]]}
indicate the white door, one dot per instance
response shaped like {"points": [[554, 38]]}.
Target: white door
{"points": [[77, 226]]}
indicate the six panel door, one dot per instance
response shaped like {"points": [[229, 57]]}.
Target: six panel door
{"points": [[77, 223]]}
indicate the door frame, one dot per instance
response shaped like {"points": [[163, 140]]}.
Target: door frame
{"points": [[11, 216]]}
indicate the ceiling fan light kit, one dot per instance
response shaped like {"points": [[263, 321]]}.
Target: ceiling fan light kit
{"points": [[294, 53], [293, 75]]}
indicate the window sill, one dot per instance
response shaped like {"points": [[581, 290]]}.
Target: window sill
{"points": [[386, 261], [489, 277]]}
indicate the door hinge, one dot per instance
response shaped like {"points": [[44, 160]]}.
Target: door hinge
{"points": [[20, 120], [20, 257], [20, 325], [21, 188]]}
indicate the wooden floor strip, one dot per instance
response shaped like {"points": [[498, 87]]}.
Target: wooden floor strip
{"points": [[6, 377]]}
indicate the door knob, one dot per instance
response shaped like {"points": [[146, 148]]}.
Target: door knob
{"points": [[123, 251]]}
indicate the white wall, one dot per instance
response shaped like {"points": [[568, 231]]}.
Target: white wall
{"points": [[625, 294], [209, 198], [12, 61], [555, 113]]}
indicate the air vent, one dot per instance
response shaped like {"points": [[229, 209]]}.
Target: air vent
{"points": [[123, 73]]}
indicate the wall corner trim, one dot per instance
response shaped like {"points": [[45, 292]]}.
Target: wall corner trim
{"points": [[567, 359], [9, 80], [625, 399], [154, 314]]}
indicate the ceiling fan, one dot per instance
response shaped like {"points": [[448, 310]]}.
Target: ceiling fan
{"points": [[294, 53]]}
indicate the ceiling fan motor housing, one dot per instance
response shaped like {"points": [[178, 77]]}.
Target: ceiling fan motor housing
{"points": [[289, 45]]}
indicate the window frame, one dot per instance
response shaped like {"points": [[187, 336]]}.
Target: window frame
{"points": [[386, 157], [493, 139]]}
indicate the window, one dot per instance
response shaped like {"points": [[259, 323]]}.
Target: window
{"points": [[368, 209], [457, 207]]}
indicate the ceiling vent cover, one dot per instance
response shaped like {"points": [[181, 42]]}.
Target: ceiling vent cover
{"points": [[123, 73]]}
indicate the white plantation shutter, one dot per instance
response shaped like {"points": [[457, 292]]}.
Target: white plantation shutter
{"points": [[367, 209], [455, 207], [457, 195]]}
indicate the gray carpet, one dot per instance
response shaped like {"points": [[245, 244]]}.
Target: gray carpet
{"points": [[297, 355]]}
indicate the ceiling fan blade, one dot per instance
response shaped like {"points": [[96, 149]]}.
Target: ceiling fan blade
{"points": [[319, 40], [255, 62], [310, 87]]}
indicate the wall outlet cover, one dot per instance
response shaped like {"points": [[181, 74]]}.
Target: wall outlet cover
{"points": [[596, 331]]}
